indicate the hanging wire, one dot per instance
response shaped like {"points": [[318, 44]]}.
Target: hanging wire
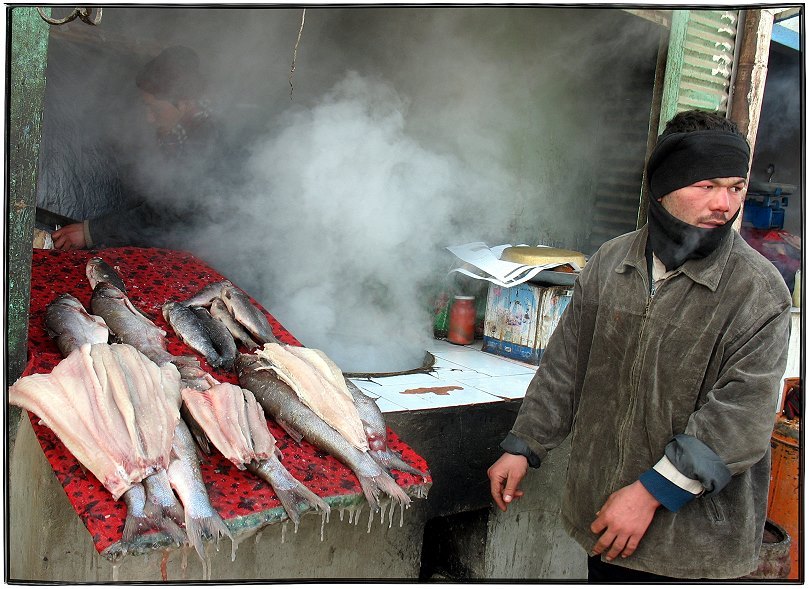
{"points": [[295, 53], [80, 13]]}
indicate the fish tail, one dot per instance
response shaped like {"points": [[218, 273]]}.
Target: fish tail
{"points": [[290, 491], [389, 459], [135, 525], [174, 531], [211, 526]]}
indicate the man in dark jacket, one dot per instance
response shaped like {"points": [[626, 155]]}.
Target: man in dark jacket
{"points": [[665, 367], [168, 199]]}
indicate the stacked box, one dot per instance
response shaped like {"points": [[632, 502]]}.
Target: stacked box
{"points": [[520, 319]]}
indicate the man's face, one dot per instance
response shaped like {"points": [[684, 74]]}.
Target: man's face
{"points": [[707, 203], [161, 114]]}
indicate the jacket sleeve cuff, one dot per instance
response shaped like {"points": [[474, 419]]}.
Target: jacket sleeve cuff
{"points": [[88, 240], [514, 445], [670, 495], [695, 460]]}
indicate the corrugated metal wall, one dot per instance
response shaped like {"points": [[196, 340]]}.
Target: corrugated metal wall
{"points": [[699, 75]]}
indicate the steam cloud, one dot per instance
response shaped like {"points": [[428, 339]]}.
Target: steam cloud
{"points": [[410, 130]]}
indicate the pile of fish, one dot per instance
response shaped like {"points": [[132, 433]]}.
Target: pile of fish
{"points": [[135, 415]]}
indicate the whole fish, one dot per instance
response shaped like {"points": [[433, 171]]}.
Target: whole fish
{"points": [[247, 314], [128, 324], [140, 520], [220, 336], [279, 400], [71, 325], [190, 329], [290, 491], [208, 293], [201, 519], [219, 311], [160, 499], [98, 270], [377, 432]]}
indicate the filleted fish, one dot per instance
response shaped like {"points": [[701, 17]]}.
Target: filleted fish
{"points": [[235, 423], [278, 399]]}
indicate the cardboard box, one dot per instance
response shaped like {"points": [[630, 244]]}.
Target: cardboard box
{"points": [[520, 319]]}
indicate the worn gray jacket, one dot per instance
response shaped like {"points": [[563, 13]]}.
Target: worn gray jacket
{"points": [[626, 372]]}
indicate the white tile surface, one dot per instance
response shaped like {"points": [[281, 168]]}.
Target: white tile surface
{"points": [[404, 380], [443, 395], [444, 369], [507, 387], [480, 377], [387, 406], [485, 363]]}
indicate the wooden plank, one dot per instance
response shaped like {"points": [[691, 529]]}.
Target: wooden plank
{"points": [[28, 46]]}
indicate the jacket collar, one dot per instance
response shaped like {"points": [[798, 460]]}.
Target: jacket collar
{"points": [[706, 271]]}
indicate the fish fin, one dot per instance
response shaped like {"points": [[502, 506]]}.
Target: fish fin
{"points": [[212, 526], [388, 459], [290, 491], [385, 483], [293, 433]]}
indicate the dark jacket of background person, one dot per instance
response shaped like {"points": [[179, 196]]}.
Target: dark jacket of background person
{"points": [[164, 205]]}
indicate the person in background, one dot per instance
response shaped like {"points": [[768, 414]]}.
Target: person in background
{"points": [[665, 367], [167, 200]]}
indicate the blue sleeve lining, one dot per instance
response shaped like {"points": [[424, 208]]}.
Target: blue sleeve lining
{"points": [[670, 495]]}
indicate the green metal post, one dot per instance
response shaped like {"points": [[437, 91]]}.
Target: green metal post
{"points": [[674, 66], [28, 55]]}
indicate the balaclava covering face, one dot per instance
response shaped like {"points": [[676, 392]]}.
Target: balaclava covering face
{"points": [[679, 160]]}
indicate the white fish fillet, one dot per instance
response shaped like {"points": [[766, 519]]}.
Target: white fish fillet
{"points": [[315, 384], [112, 407], [233, 421]]}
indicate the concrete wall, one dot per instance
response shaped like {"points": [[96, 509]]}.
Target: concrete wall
{"points": [[528, 541], [48, 542]]}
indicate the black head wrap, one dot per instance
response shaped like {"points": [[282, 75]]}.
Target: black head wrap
{"points": [[679, 160], [172, 75]]}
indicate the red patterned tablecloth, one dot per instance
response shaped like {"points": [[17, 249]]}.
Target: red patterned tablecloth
{"points": [[154, 276]]}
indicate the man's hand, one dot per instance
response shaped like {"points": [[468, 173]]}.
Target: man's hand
{"points": [[624, 519], [505, 476], [69, 237]]}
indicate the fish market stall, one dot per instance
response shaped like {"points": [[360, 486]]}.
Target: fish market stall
{"points": [[246, 503]]}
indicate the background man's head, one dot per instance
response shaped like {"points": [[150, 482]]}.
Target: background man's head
{"points": [[170, 84]]}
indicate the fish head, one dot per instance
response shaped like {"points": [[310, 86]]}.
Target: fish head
{"points": [[167, 309], [105, 290]]}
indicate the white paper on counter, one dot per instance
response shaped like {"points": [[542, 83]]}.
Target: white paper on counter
{"points": [[495, 270]]}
